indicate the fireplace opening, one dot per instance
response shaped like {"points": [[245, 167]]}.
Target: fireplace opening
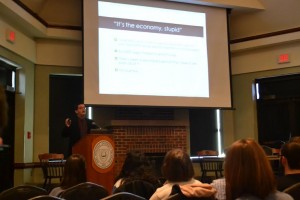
{"points": [[156, 160]]}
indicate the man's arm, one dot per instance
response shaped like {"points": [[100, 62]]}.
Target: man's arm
{"points": [[66, 132]]}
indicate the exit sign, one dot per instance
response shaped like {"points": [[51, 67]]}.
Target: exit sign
{"points": [[283, 58], [10, 36]]}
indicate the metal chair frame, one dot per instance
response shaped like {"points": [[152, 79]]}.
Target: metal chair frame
{"points": [[45, 197], [86, 190], [123, 196]]}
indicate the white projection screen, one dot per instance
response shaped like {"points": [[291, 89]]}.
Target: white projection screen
{"points": [[155, 53]]}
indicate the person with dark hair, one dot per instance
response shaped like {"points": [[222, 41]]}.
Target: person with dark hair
{"points": [[77, 126], [290, 160], [74, 173], [178, 169], [136, 167], [3, 112], [248, 173]]}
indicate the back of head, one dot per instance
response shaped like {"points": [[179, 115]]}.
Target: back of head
{"points": [[291, 151], [247, 170], [137, 167], [74, 171], [133, 161], [177, 166]]}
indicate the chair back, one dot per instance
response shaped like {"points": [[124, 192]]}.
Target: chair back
{"points": [[123, 196], [45, 197], [22, 192], [208, 165], [52, 166], [86, 190], [139, 187], [294, 191]]}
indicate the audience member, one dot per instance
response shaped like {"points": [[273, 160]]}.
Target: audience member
{"points": [[3, 112], [248, 173], [178, 169], [290, 160], [136, 167], [74, 173], [219, 185], [77, 126]]}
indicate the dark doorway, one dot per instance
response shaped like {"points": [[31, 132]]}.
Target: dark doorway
{"points": [[278, 109], [7, 80], [203, 130], [65, 92]]}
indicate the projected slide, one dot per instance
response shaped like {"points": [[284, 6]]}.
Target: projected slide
{"points": [[152, 51]]}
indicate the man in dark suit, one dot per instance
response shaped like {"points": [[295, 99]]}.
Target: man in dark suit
{"points": [[77, 126], [290, 160]]}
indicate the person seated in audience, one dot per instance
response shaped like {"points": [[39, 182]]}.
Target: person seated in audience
{"points": [[74, 173], [219, 185], [136, 167], [248, 173], [178, 169], [290, 160]]}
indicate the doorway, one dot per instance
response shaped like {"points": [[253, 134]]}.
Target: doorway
{"points": [[278, 108], [65, 92]]}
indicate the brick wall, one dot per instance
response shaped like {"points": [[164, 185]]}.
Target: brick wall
{"points": [[148, 139]]}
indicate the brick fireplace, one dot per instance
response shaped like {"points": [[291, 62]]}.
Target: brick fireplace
{"points": [[154, 138]]}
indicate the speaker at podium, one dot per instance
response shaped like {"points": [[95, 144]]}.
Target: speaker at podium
{"points": [[99, 153]]}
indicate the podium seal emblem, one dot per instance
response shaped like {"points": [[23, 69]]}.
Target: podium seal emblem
{"points": [[103, 155]]}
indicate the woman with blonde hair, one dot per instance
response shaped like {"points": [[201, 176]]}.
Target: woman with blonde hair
{"points": [[248, 173]]}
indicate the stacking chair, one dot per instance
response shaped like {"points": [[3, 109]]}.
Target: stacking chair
{"points": [[123, 196], [274, 158], [294, 191], [22, 192], [86, 190], [138, 187], [52, 166], [210, 163], [45, 197]]}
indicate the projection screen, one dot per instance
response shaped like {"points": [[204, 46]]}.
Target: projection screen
{"points": [[155, 53]]}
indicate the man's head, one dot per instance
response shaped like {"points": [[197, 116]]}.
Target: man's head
{"points": [[290, 153], [80, 110]]}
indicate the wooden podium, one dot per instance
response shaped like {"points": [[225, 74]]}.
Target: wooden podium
{"points": [[99, 153]]}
